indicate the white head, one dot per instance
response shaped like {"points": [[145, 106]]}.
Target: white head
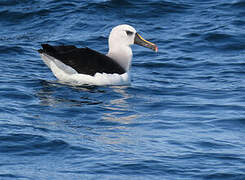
{"points": [[120, 39], [123, 34]]}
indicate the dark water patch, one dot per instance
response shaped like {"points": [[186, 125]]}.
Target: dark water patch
{"points": [[12, 176], [15, 95], [237, 46], [221, 176], [14, 50], [224, 41], [215, 156], [168, 7], [240, 4], [133, 9], [146, 167], [150, 167], [193, 35], [18, 142], [14, 2], [52, 94], [215, 145], [64, 4], [214, 37], [34, 145], [5, 127], [23, 40], [55, 101], [115, 3], [12, 16], [231, 123], [238, 22]]}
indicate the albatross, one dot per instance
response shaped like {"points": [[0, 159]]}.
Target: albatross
{"points": [[82, 66]]}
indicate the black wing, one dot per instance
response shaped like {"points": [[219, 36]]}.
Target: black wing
{"points": [[83, 60]]}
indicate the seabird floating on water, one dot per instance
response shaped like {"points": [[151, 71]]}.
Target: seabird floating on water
{"points": [[86, 66]]}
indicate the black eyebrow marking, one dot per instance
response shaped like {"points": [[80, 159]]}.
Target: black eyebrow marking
{"points": [[129, 33]]}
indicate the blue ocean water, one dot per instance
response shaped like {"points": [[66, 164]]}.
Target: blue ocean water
{"points": [[183, 116]]}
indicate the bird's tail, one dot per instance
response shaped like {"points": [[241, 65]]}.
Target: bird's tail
{"points": [[46, 49]]}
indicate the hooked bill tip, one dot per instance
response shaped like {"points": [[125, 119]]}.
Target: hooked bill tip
{"points": [[156, 49]]}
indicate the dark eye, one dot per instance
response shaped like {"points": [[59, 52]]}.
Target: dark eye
{"points": [[129, 33]]}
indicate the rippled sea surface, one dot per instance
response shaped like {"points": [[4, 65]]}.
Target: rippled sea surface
{"points": [[182, 117]]}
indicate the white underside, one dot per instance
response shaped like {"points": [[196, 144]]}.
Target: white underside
{"points": [[68, 75]]}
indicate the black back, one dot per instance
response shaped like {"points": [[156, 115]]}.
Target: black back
{"points": [[83, 60]]}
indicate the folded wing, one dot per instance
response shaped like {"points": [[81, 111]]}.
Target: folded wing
{"points": [[83, 60]]}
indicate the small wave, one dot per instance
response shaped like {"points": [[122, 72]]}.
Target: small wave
{"points": [[15, 95], [224, 42], [11, 50], [238, 4], [221, 176], [214, 37], [109, 3], [159, 65], [11, 176], [13, 16], [138, 10], [239, 22], [12, 2], [235, 46], [34, 145]]}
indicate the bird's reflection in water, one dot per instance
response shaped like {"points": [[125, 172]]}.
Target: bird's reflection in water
{"points": [[119, 108], [114, 100], [55, 94], [112, 112]]}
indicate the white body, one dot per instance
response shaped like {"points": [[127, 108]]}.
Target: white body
{"points": [[68, 75]]}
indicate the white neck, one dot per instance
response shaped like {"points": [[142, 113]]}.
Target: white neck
{"points": [[122, 55]]}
